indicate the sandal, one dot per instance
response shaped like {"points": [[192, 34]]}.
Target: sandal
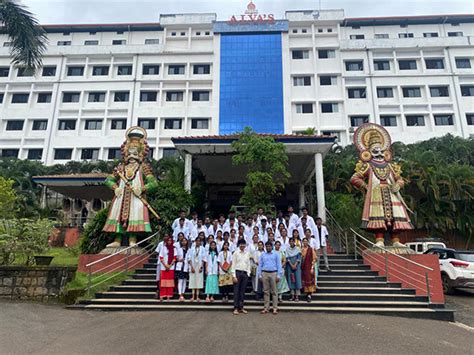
{"points": [[275, 312], [263, 311], [236, 312]]}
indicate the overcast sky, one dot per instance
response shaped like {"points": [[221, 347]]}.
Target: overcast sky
{"points": [[110, 11]]}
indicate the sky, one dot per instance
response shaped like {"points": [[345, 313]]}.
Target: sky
{"points": [[129, 11]]}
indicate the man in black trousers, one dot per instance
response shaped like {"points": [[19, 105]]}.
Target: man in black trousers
{"points": [[241, 274]]}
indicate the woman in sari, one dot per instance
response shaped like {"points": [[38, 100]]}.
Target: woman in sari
{"points": [[167, 258], [307, 268], [293, 270], [226, 282], [282, 285]]}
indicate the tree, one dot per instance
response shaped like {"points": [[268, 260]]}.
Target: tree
{"points": [[27, 38], [267, 168], [8, 198]]}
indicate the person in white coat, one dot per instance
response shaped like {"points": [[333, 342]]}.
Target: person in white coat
{"points": [[226, 282], [322, 235], [181, 268], [158, 267], [196, 258], [212, 272]]}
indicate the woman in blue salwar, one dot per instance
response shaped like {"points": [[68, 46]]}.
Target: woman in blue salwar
{"points": [[293, 270]]}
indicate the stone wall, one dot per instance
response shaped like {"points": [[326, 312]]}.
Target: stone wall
{"points": [[34, 282]]}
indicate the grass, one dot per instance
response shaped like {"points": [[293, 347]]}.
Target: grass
{"points": [[62, 257]]}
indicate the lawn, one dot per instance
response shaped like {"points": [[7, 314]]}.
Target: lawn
{"points": [[62, 257]]}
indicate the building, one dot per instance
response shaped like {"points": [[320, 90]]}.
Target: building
{"points": [[190, 75]]}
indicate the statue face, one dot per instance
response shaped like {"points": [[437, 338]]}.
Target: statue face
{"points": [[133, 154], [377, 152]]}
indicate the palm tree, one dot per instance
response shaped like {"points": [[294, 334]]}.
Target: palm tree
{"points": [[27, 38]]}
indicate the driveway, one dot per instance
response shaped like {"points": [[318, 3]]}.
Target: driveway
{"points": [[463, 302]]}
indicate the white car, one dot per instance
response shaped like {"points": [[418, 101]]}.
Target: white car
{"points": [[457, 268], [422, 246]]}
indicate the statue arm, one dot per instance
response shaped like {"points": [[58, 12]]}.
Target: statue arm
{"points": [[151, 183], [358, 178], [398, 181], [112, 181]]}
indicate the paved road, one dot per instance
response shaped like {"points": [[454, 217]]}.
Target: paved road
{"points": [[463, 302], [45, 329]]}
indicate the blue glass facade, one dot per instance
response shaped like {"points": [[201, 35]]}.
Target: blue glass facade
{"points": [[251, 83]]}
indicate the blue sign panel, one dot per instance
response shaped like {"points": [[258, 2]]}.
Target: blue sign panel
{"points": [[251, 83]]}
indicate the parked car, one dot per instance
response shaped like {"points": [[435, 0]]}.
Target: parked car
{"points": [[457, 268], [421, 246]]}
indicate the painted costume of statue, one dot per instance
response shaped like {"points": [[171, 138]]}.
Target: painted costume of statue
{"points": [[131, 180], [384, 208]]}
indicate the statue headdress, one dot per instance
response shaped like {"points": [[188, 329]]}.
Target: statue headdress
{"points": [[135, 137], [369, 134]]}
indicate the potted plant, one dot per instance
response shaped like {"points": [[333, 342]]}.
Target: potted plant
{"points": [[35, 241]]}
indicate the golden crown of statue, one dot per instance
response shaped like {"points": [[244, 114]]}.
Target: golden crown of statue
{"points": [[374, 137], [369, 134], [135, 137]]}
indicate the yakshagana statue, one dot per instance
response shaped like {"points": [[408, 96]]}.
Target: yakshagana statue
{"points": [[384, 208], [131, 180]]}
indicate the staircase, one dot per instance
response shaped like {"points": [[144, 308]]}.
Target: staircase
{"points": [[351, 287]]}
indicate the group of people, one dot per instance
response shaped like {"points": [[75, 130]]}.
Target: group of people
{"points": [[279, 255]]}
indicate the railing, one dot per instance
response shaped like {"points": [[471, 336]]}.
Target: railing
{"points": [[420, 281], [120, 266], [339, 234]]}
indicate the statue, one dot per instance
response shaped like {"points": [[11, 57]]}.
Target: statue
{"points": [[384, 208], [130, 181]]}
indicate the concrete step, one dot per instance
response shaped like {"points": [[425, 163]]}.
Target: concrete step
{"points": [[323, 276], [356, 284]]}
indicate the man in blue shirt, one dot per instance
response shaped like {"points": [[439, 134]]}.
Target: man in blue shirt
{"points": [[269, 271]]}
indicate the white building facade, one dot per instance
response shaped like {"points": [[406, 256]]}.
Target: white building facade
{"points": [[191, 75]]}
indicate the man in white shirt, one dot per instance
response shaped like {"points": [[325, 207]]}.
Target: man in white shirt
{"points": [[309, 220], [240, 272], [199, 228], [321, 235], [182, 214], [294, 219], [181, 228]]}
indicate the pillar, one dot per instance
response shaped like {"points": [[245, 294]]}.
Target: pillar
{"points": [[301, 203], [44, 197], [318, 163], [188, 167]]}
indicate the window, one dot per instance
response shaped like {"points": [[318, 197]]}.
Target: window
{"points": [[20, 98], [381, 35], [300, 54], [62, 154], [455, 34], [461, 63], [470, 119], [152, 41], [114, 154], [411, 92], [119, 42], [91, 42], [356, 65], [173, 34], [356, 36], [173, 123], [439, 91], [325, 80], [443, 120], [320, 30], [67, 125], [355, 27], [357, 121], [10, 153], [174, 96], [329, 30], [147, 123], [435, 63], [7, 44], [304, 30], [64, 43], [15, 125], [40, 125], [35, 154], [170, 152], [200, 95], [1, 97], [415, 120], [90, 153], [98, 96], [93, 125], [207, 33], [430, 34], [49, 71], [118, 123], [100, 70], [199, 123], [71, 96], [151, 69], [467, 90], [148, 96], [124, 70], [120, 32], [326, 53], [176, 69], [198, 33], [200, 69], [92, 33], [381, 64], [388, 121], [304, 108], [44, 97], [301, 81], [75, 71], [66, 33], [407, 64], [329, 107], [4, 71], [356, 93], [23, 71], [183, 33], [405, 35], [121, 96], [384, 92]]}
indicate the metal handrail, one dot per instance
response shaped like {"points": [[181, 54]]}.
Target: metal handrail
{"points": [[338, 231], [390, 252]]}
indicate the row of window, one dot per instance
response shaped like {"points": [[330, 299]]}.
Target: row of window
{"points": [[407, 35], [115, 124], [411, 120], [305, 30]]}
